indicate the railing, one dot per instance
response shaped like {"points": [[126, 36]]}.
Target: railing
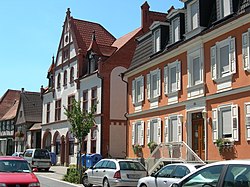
{"points": [[171, 152]]}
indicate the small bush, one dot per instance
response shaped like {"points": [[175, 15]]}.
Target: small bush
{"points": [[72, 175]]}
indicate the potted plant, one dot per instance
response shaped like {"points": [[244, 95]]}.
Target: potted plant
{"points": [[223, 143], [137, 149], [152, 145]]}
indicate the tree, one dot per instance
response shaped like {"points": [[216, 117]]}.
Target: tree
{"points": [[81, 122]]}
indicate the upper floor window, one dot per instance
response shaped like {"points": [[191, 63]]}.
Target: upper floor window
{"points": [[195, 68], [247, 119], [223, 61], [227, 117], [173, 128], [192, 13], [71, 102], [154, 84], [246, 50], [59, 80], [138, 90], [48, 113], [85, 101], [175, 30], [94, 97], [138, 133], [72, 75], [157, 40], [65, 78], [65, 54], [58, 110], [172, 77], [154, 130], [225, 7]]}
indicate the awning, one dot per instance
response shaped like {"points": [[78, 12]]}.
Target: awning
{"points": [[36, 126]]}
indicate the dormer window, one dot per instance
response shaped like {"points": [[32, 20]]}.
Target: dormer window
{"points": [[225, 8], [92, 62], [193, 15], [157, 41], [175, 30]]}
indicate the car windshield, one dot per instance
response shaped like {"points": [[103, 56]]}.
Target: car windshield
{"points": [[40, 153], [14, 166], [130, 165]]}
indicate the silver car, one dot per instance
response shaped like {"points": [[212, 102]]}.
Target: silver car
{"points": [[114, 172], [168, 174]]}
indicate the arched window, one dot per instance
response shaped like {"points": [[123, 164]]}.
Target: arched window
{"points": [[65, 78], [59, 81], [72, 75]]}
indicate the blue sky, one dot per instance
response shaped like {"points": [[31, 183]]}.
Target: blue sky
{"points": [[30, 31]]}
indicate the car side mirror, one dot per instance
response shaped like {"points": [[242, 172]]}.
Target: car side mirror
{"points": [[175, 185], [35, 170]]}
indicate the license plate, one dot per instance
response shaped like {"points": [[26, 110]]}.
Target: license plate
{"points": [[133, 176]]}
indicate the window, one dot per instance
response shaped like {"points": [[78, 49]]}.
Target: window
{"points": [[247, 119], [58, 110], [166, 171], [138, 133], [94, 97], [72, 75], [85, 100], [59, 80], [154, 84], [172, 77], [157, 41], [48, 113], [58, 145], [246, 50], [65, 78], [71, 102], [65, 54], [138, 90], [223, 61], [225, 122], [154, 130], [195, 68], [71, 144], [176, 30], [225, 8], [192, 10], [173, 128]]}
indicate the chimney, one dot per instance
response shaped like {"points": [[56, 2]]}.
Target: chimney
{"points": [[145, 16]]}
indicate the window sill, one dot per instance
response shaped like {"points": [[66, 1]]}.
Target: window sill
{"points": [[194, 32], [224, 79], [194, 87]]}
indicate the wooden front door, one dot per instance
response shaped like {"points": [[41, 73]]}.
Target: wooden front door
{"points": [[198, 135]]}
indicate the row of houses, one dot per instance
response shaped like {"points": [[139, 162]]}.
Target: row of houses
{"points": [[183, 76]]}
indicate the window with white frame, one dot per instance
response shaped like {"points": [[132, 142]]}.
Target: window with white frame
{"points": [[247, 120], [157, 40], [246, 50], [173, 128], [172, 77], [223, 61], [225, 8], [195, 68], [193, 9], [138, 133], [154, 84], [138, 90], [175, 30], [154, 130], [225, 122]]}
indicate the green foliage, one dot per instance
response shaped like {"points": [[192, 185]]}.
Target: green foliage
{"points": [[137, 148], [72, 175], [152, 145]]}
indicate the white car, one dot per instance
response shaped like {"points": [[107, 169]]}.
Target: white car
{"points": [[168, 174], [232, 173], [114, 172]]}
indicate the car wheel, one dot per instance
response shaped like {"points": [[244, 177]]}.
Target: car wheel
{"points": [[85, 181], [105, 183], [143, 185], [46, 169]]}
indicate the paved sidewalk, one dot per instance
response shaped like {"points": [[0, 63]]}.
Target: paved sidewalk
{"points": [[59, 170]]}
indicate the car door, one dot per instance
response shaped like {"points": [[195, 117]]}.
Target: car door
{"points": [[93, 175], [161, 178], [102, 171], [179, 172]]}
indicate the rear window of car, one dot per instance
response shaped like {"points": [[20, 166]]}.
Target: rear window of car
{"points": [[41, 153], [28, 153], [130, 165]]}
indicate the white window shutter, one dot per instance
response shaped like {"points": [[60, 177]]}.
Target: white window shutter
{"points": [[215, 124], [142, 89], [166, 130], [178, 75], [166, 79], [213, 52], [235, 123], [148, 131], [133, 133], [133, 91], [142, 133], [247, 122], [189, 67], [245, 50], [159, 82], [232, 56], [179, 121], [148, 86], [159, 131]]}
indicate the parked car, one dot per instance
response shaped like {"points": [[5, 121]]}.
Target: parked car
{"points": [[38, 158], [114, 172], [219, 174], [15, 171], [168, 174], [20, 154]]}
